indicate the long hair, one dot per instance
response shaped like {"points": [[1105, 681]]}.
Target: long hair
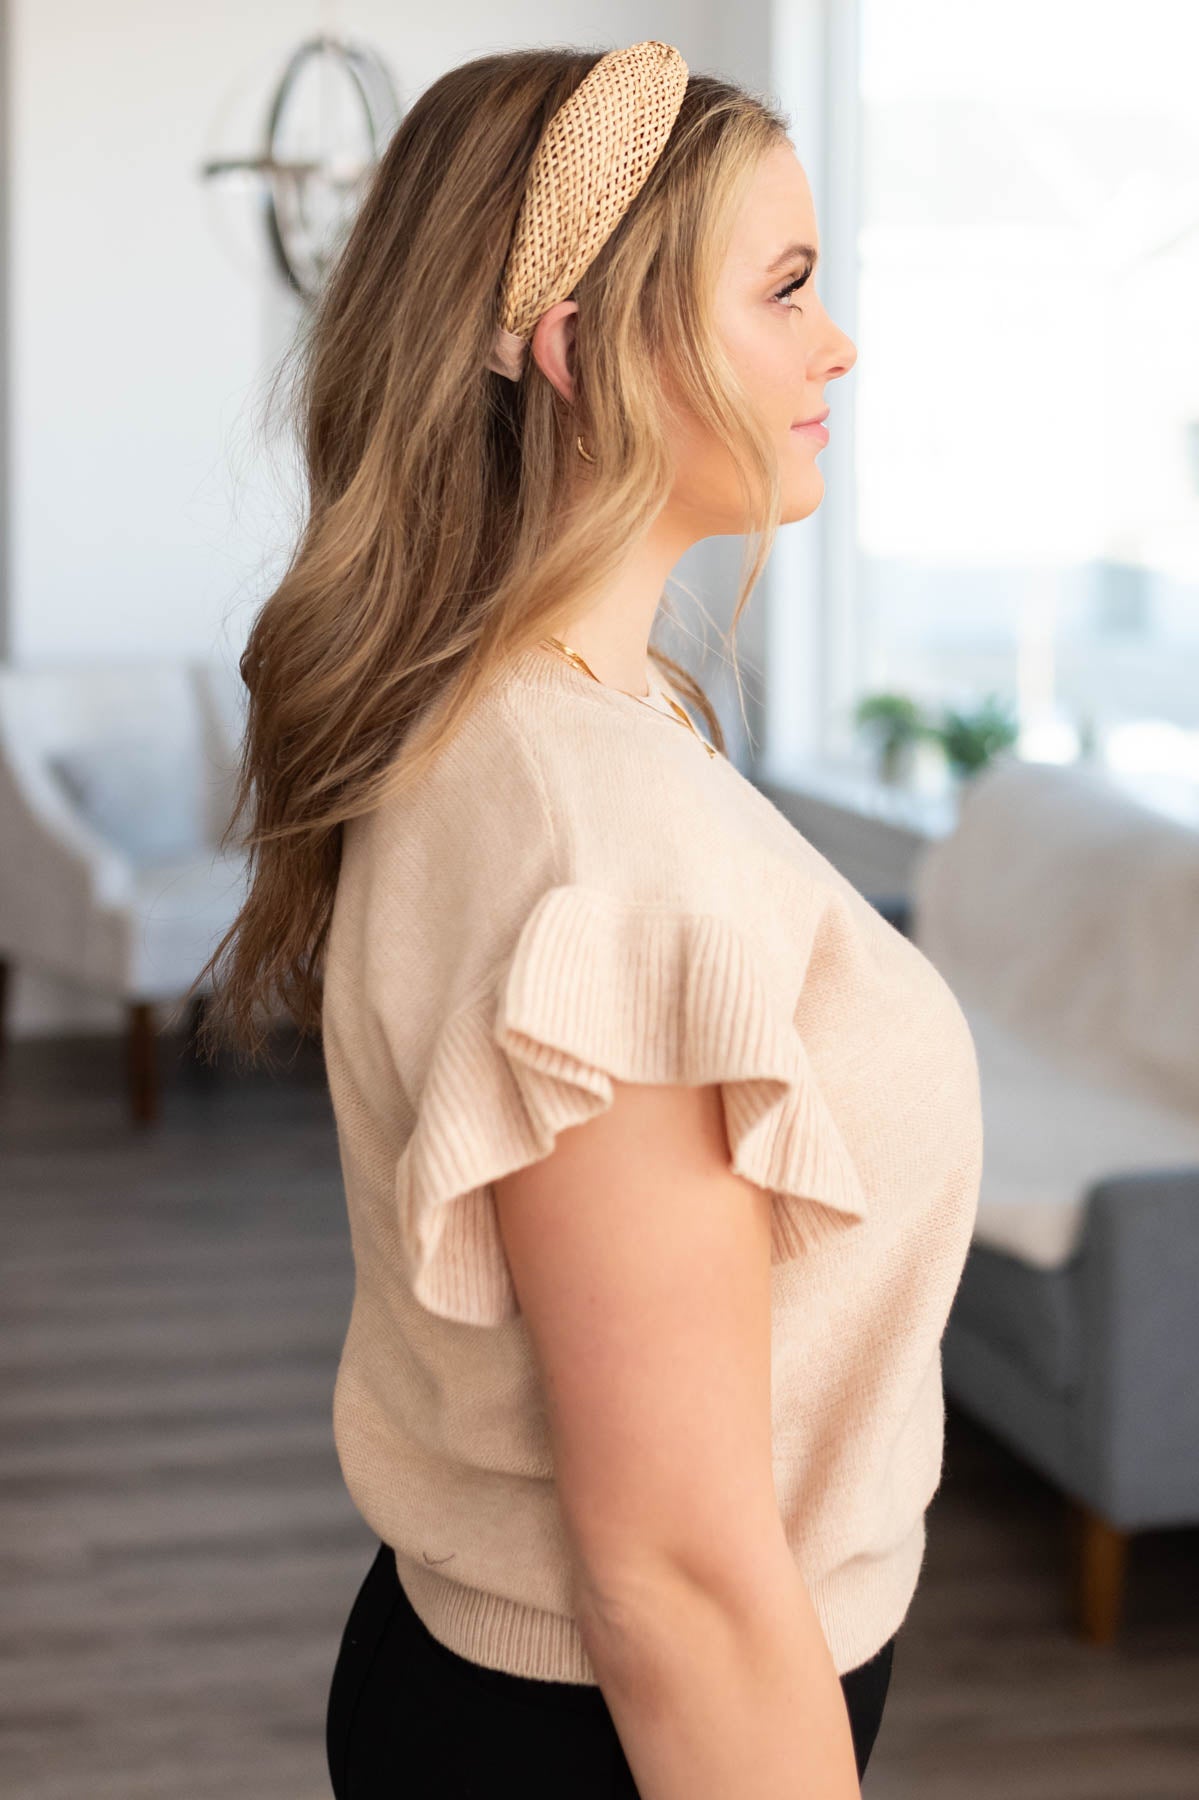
{"points": [[437, 538]]}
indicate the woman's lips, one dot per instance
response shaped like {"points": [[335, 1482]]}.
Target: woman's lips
{"points": [[813, 430]]}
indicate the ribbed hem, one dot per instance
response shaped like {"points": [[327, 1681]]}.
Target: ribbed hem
{"points": [[859, 1607]]}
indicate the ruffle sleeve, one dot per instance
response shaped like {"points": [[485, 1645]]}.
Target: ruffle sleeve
{"points": [[598, 989]]}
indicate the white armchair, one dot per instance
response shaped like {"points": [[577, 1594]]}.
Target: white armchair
{"points": [[116, 783]]}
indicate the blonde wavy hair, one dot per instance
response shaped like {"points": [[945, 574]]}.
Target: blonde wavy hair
{"points": [[437, 540]]}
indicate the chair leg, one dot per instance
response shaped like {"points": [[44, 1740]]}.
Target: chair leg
{"points": [[142, 1063], [1101, 1568]]}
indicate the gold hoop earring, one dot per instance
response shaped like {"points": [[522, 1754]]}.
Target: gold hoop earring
{"points": [[585, 454]]}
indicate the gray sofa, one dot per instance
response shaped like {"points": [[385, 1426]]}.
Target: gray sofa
{"points": [[1065, 916]]}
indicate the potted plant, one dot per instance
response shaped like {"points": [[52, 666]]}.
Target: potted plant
{"points": [[895, 724], [970, 739]]}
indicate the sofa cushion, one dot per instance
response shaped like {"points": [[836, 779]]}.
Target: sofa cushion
{"points": [[140, 793], [180, 910], [1050, 1129]]}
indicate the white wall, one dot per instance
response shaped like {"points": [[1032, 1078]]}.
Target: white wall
{"points": [[144, 518]]}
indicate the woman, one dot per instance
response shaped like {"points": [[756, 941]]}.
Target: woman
{"points": [[660, 1146]]}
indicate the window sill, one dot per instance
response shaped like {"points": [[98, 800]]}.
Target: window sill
{"points": [[873, 833]]}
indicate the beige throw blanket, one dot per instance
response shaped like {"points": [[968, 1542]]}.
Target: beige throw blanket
{"points": [[1065, 916]]}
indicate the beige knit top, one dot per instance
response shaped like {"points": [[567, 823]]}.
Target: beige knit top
{"points": [[578, 893]]}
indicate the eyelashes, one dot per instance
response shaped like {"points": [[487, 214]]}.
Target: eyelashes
{"points": [[791, 287]]}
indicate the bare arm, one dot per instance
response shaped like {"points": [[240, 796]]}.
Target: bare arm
{"points": [[642, 1266]]}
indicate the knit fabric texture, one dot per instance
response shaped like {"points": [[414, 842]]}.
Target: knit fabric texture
{"points": [[575, 894]]}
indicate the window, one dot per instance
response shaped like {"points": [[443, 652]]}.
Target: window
{"points": [[1026, 397]]}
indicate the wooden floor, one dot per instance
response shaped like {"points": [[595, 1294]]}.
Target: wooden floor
{"points": [[178, 1553]]}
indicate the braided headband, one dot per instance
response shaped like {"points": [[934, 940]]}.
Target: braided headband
{"points": [[593, 159]]}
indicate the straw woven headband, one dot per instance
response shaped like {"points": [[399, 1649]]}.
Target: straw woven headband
{"points": [[593, 159]]}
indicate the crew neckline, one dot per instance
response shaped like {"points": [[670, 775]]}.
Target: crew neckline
{"points": [[542, 668]]}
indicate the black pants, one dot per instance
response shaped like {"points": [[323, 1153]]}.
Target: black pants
{"points": [[410, 1719]]}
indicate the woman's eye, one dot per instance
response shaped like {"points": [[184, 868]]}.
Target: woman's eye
{"points": [[791, 287]]}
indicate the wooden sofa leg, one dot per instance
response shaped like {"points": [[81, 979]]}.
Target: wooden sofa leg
{"points": [[1101, 1568], [142, 1063]]}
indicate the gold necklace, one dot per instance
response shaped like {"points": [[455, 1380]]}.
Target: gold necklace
{"points": [[676, 711]]}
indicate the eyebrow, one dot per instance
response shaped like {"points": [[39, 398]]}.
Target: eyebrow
{"points": [[791, 254]]}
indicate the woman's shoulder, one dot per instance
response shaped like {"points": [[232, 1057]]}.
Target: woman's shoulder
{"points": [[635, 803], [590, 771], [636, 798], [553, 781]]}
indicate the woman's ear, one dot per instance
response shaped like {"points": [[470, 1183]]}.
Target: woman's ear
{"points": [[552, 346]]}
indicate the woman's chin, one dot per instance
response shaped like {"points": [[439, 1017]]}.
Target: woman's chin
{"points": [[803, 499]]}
